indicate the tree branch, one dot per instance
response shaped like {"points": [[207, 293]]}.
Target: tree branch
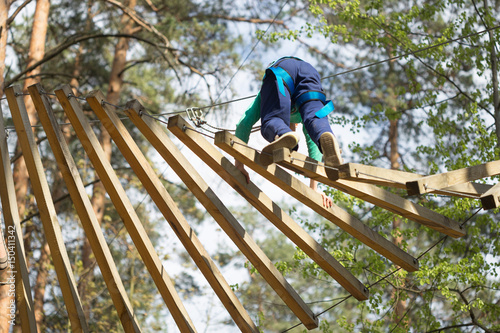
{"points": [[17, 11], [61, 198], [471, 312], [450, 327], [75, 39], [151, 28], [141, 22], [249, 20]]}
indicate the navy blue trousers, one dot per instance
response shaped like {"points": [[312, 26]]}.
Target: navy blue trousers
{"points": [[275, 108]]}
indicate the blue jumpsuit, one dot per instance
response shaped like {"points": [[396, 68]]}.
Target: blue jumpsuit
{"points": [[276, 107]]}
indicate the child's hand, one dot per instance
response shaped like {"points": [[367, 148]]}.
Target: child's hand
{"points": [[327, 201]]}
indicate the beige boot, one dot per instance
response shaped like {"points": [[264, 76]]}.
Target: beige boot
{"points": [[288, 140], [331, 152]]}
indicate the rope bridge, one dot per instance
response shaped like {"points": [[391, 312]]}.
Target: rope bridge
{"points": [[358, 180]]}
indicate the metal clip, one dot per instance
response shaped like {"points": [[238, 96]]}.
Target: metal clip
{"points": [[196, 116]]}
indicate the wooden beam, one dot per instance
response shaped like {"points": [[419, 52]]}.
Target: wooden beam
{"points": [[124, 208], [14, 235], [223, 167], [313, 199], [374, 175], [374, 195], [450, 178], [398, 179], [84, 209], [491, 199], [193, 180], [48, 215], [169, 209]]}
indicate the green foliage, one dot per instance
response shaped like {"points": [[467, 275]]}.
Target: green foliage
{"points": [[439, 95]]}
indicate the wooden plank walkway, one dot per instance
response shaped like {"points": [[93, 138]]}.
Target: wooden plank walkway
{"points": [[291, 185], [372, 194], [195, 182], [84, 209], [14, 236], [124, 208], [47, 210], [171, 212], [398, 179], [446, 179], [226, 170]]}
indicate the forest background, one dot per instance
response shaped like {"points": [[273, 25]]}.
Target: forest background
{"points": [[415, 87]]}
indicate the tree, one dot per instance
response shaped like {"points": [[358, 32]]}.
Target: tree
{"points": [[164, 48], [426, 71]]}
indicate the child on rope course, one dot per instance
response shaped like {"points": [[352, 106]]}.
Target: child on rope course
{"points": [[291, 93]]}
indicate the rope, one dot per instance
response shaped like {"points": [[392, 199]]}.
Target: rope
{"points": [[316, 163], [11, 128], [323, 78], [253, 49], [387, 275], [372, 64]]}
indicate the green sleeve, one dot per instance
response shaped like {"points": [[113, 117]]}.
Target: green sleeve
{"points": [[251, 116], [312, 147]]}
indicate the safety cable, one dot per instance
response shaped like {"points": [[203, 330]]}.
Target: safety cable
{"points": [[8, 129], [373, 64], [251, 51], [411, 52], [326, 77], [387, 275]]}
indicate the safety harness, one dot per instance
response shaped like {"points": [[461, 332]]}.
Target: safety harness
{"points": [[282, 76]]}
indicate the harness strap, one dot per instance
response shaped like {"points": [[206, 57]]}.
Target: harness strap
{"points": [[325, 110], [283, 76], [315, 95], [309, 95]]}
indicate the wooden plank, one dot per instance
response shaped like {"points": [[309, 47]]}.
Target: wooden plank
{"points": [[14, 235], [83, 207], [376, 196], [192, 179], [491, 199], [223, 167], [124, 208], [375, 175], [313, 199], [398, 179], [450, 178], [46, 208], [169, 209]]}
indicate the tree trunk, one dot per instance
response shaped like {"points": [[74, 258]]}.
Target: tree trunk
{"points": [[400, 305], [4, 10], [113, 97], [40, 286], [20, 174], [494, 81], [5, 274]]}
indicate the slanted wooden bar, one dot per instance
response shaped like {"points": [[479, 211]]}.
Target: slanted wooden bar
{"points": [[193, 180], [223, 167], [450, 178], [374, 195], [491, 199], [398, 179], [83, 207], [169, 209], [124, 208], [14, 235], [47, 210], [291, 185], [160, 140]]}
